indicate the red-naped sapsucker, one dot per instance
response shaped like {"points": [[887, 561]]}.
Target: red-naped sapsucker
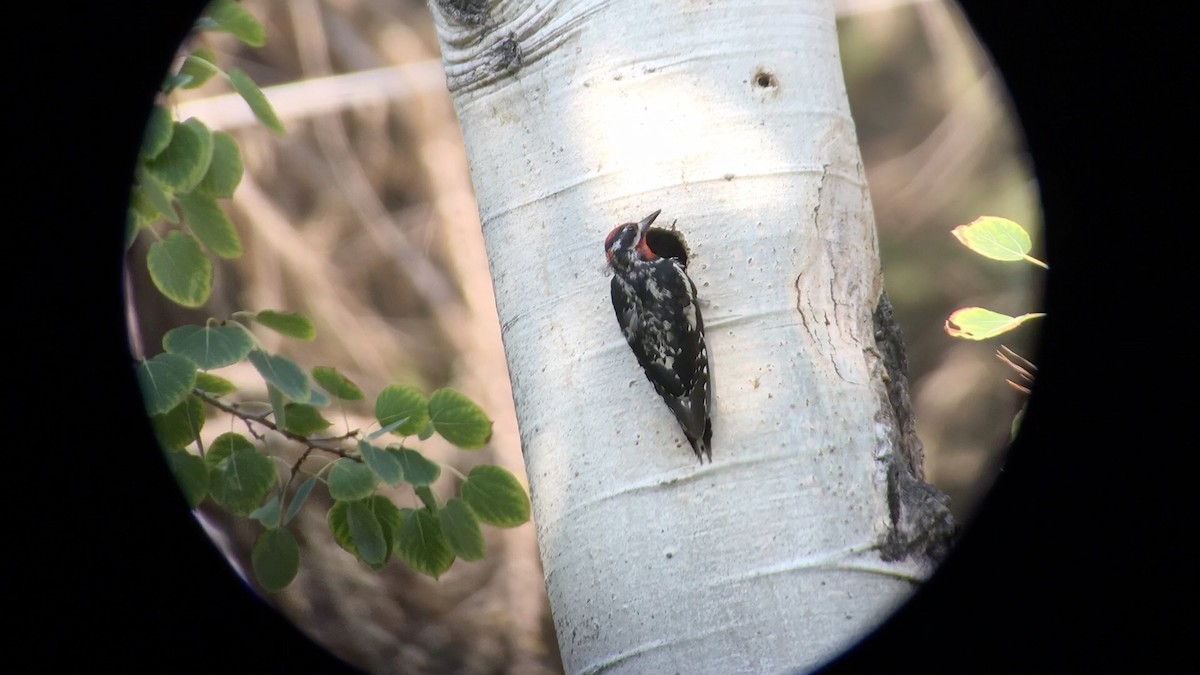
{"points": [[656, 305]]}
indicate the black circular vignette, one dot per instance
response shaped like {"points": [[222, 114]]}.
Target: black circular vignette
{"points": [[1075, 560]]}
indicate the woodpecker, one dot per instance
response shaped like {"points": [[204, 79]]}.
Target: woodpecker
{"points": [[656, 306]]}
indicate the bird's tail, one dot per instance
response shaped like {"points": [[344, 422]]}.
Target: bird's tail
{"points": [[703, 446]]}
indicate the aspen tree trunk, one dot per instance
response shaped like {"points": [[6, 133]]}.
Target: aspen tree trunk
{"points": [[813, 522]]}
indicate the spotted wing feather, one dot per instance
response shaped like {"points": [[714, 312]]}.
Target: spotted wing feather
{"points": [[661, 321]]}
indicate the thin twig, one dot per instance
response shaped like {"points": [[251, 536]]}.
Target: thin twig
{"points": [[236, 411]]}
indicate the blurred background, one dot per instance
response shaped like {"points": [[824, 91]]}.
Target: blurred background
{"points": [[363, 218]]}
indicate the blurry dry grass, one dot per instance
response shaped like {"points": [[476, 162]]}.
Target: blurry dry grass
{"points": [[363, 218]]}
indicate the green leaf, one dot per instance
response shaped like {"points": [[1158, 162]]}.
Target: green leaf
{"points": [[396, 403], [427, 498], [141, 214], [209, 223], [174, 81], [422, 545], [367, 533], [278, 404], [459, 420], [1016, 424], [461, 530], [180, 270], [283, 373], [299, 498], [427, 432], [155, 193], [234, 19], [275, 559], [417, 470], [291, 324], [200, 66], [338, 525], [387, 429], [241, 481], [977, 323], [316, 397], [166, 380], [213, 385], [996, 238], [350, 480], [337, 384], [209, 347], [191, 474], [496, 496], [224, 446], [268, 514], [304, 419], [159, 129], [382, 463], [225, 170], [389, 517], [180, 425], [258, 102], [385, 512], [183, 163]]}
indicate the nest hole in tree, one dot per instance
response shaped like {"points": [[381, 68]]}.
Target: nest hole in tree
{"points": [[667, 244], [765, 80]]}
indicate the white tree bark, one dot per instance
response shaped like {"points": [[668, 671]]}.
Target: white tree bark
{"points": [[811, 523]]}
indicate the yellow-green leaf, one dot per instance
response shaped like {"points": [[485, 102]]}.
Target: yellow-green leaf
{"points": [[996, 238], [304, 419], [977, 323], [337, 384], [422, 545], [396, 403], [459, 420], [291, 324], [496, 496]]}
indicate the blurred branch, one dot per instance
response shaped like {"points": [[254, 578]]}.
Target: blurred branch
{"points": [[920, 181], [852, 7], [280, 249], [426, 278], [322, 95]]}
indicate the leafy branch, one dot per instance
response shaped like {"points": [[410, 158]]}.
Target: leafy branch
{"points": [[998, 239], [184, 169]]}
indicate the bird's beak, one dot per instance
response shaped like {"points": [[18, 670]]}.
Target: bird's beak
{"points": [[644, 223]]}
